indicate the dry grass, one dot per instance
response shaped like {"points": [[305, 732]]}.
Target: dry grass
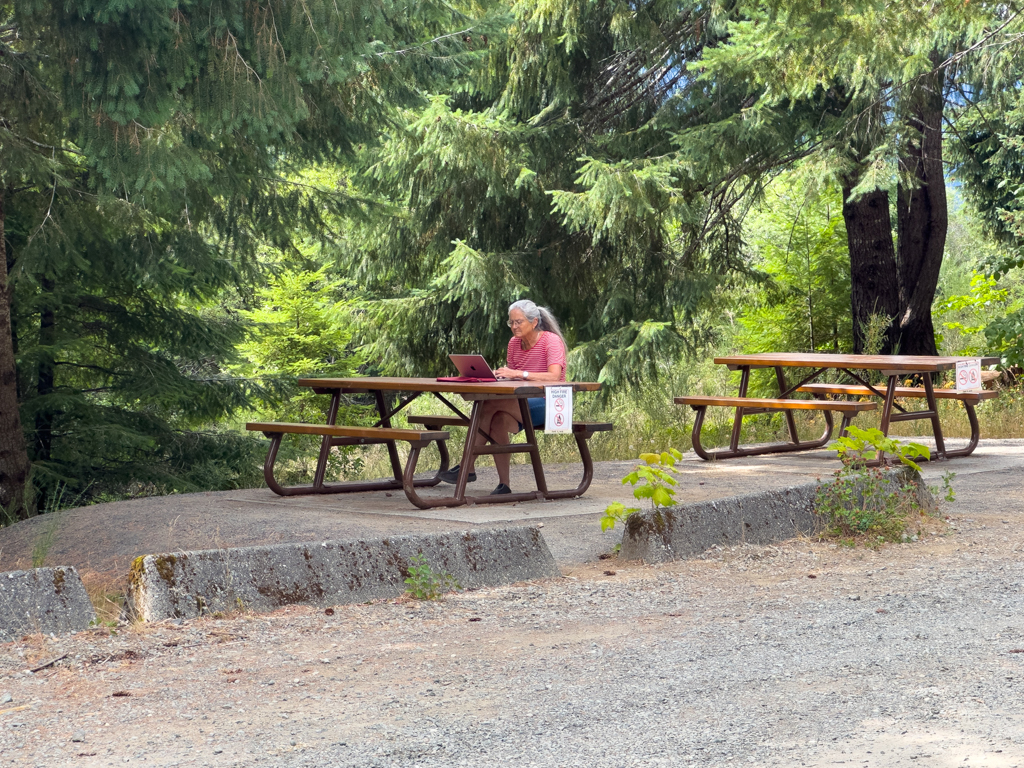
{"points": [[107, 595]]}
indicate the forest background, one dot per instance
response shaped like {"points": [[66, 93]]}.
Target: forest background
{"points": [[201, 201]]}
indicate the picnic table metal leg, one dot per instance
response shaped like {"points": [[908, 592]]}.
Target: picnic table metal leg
{"points": [[268, 466], [531, 439], [582, 437], [972, 417], [929, 392], [702, 452], [780, 377], [385, 421], [890, 398], [325, 444], [468, 453], [737, 424], [409, 482]]}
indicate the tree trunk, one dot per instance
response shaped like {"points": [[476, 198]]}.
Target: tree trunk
{"points": [[43, 443], [873, 279], [15, 489], [900, 281], [922, 220]]}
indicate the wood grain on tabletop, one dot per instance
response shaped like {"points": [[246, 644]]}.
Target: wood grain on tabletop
{"points": [[767, 402], [907, 363], [407, 384]]}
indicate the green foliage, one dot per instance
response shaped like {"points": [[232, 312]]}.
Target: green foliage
{"points": [[426, 584], [301, 326], [871, 503], [504, 196], [966, 316], [120, 362], [858, 446], [149, 155], [798, 239], [866, 504], [946, 490], [653, 480]]}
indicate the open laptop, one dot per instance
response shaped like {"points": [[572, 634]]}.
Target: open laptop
{"points": [[471, 368]]}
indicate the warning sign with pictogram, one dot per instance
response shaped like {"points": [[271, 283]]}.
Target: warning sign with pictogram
{"points": [[968, 375], [558, 409]]}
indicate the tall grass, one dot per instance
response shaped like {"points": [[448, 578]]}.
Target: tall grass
{"points": [[57, 503]]}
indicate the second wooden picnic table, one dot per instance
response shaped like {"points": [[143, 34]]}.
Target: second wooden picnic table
{"points": [[382, 432], [893, 367]]}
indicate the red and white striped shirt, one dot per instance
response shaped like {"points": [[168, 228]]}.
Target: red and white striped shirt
{"points": [[549, 350]]}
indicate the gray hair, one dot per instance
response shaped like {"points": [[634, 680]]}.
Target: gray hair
{"points": [[533, 312]]}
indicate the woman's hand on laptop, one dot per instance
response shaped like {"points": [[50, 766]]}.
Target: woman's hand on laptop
{"points": [[508, 373]]}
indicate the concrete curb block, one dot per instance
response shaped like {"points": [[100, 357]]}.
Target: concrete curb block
{"points": [[672, 533], [47, 600], [189, 584]]}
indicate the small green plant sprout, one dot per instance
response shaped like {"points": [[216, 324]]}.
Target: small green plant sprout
{"points": [[651, 480], [860, 446], [426, 584], [946, 490]]}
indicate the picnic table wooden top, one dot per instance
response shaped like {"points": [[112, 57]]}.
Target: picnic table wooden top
{"points": [[901, 363], [513, 388]]}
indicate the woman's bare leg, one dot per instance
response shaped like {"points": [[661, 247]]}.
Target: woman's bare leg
{"points": [[502, 427], [499, 419]]}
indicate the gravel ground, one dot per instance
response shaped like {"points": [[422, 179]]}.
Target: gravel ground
{"points": [[792, 655]]}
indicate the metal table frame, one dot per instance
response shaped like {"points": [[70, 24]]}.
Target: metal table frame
{"points": [[477, 393], [893, 367]]}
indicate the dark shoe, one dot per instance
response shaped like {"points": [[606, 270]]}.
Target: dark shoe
{"points": [[452, 475], [501, 490]]}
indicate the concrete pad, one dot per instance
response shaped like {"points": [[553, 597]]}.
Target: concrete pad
{"points": [[102, 540], [47, 600], [189, 584], [764, 517]]}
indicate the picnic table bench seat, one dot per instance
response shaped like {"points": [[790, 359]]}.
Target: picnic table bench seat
{"points": [[857, 390], [748, 406], [754, 404], [339, 435], [435, 422], [359, 435], [969, 399], [582, 431]]}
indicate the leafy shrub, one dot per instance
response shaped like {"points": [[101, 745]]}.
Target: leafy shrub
{"points": [[871, 504]]}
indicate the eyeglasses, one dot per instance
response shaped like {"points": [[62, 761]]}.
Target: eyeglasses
{"points": [[516, 323]]}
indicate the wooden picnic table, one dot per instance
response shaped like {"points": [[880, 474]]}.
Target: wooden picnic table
{"points": [[893, 367], [383, 433]]}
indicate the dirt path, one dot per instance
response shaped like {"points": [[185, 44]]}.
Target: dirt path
{"points": [[800, 654]]}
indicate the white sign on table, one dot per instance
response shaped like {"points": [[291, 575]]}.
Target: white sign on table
{"points": [[558, 409], [968, 375]]}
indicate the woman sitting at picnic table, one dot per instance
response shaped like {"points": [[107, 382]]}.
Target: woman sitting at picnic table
{"points": [[536, 352]]}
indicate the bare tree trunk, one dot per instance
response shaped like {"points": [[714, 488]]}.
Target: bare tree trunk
{"points": [[874, 287], [43, 443], [15, 490], [922, 220], [900, 281]]}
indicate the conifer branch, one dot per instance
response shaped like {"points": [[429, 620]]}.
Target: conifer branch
{"points": [[427, 44]]}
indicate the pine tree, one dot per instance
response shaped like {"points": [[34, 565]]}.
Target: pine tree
{"points": [[147, 151], [502, 189], [863, 87], [695, 107]]}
